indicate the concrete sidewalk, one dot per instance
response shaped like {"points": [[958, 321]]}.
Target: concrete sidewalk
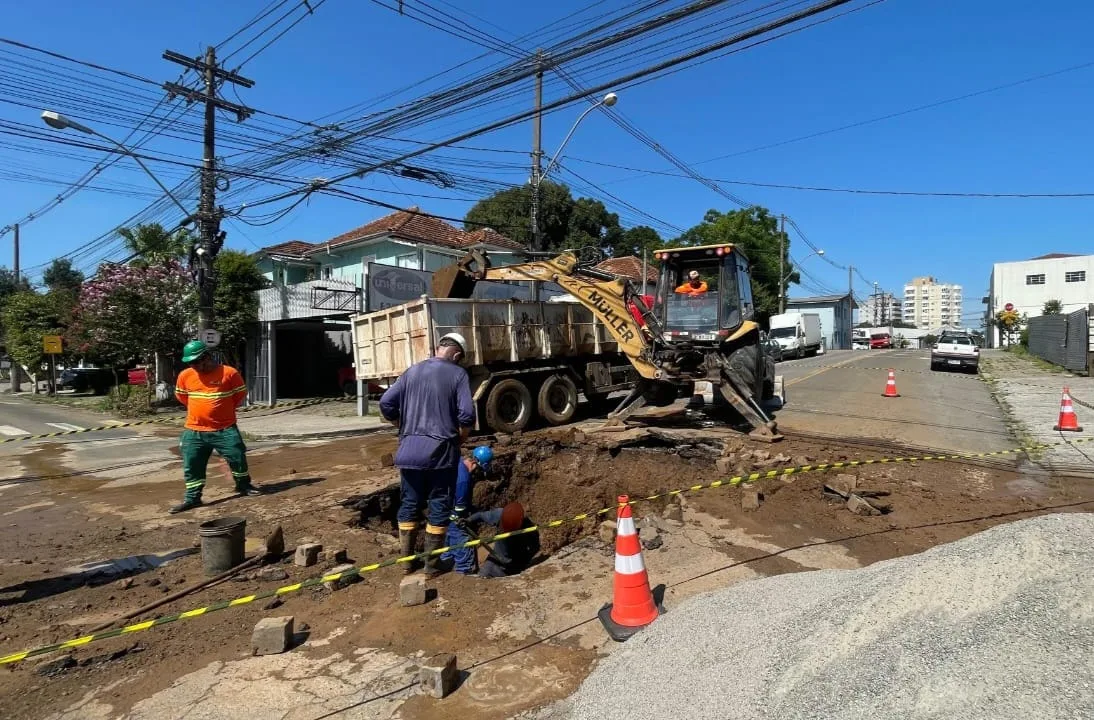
{"points": [[1031, 397], [290, 425]]}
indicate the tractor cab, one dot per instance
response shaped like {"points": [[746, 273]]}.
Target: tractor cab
{"points": [[703, 294]]}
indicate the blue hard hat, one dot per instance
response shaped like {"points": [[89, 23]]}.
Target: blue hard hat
{"points": [[483, 455]]}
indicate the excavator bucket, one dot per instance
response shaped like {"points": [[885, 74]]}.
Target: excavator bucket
{"points": [[453, 281], [764, 429]]}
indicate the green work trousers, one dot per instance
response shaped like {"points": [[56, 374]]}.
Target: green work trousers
{"points": [[196, 448]]}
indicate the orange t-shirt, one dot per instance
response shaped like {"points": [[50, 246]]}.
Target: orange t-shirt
{"points": [[210, 398], [687, 289]]}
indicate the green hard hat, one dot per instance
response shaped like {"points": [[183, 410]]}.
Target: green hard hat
{"points": [[192, 350]]}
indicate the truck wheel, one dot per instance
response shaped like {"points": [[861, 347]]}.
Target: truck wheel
{"points": [[509, 406], [557, 399]]}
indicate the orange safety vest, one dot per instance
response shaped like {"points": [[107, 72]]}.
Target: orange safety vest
{"points": [[687, 289], [211, 398]]}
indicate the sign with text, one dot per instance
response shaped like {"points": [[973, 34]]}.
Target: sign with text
{"points": [[389, 286], [51, 344], [210, 337]]}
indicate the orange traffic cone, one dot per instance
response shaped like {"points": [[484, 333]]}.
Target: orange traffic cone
{"points": [[633, 606], [1068, 420], [890, 385]]}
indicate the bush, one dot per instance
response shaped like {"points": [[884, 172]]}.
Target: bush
{"points": [[1023, 337], [129, 401]]}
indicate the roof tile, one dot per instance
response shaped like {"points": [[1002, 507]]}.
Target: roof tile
{"points": [[629, 267]]}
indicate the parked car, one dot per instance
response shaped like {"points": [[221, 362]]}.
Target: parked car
{"points": [[881, 341], [956, 351], [95, 380]]}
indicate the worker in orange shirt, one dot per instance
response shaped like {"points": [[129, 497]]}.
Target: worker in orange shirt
{"points": [[211, 393], [694, 286]]}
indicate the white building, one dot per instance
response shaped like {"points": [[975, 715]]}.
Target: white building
{"points": [[880, 309], [929, 303], [1029, 284]]}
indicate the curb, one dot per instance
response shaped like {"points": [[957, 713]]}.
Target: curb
{"points": [[321, 435]]}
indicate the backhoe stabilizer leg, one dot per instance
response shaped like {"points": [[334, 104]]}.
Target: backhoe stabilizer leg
{"points": [[634, 401], [764, 428]]}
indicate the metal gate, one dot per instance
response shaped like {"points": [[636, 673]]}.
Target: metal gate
{"points": [[1064, 340]]}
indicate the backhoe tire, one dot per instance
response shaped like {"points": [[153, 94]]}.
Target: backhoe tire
{"points": [[557, 399], [743, 365], [509, 406]]}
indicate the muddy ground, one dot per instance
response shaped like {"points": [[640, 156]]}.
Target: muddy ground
{"points": [[525, 641]]}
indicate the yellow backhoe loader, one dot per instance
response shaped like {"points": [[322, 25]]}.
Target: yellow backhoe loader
{"points": [[699, 328]]}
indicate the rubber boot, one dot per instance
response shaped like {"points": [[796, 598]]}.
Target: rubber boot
{"points": [[433, 564], [408, 540]]}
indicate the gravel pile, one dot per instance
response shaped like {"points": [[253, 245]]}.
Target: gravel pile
{"points": [[996, 626]]}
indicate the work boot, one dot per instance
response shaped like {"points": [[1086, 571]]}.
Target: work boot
{"points": [[251, 491], [185, 505], [408, 540], [433, 564]]}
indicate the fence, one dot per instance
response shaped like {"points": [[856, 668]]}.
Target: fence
{"points": [[1065, 340]]}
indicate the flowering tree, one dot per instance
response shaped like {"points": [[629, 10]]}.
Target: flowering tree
{"points": [[127, 313]]}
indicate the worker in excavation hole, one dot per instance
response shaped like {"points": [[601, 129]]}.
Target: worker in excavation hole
{"points": [[463, 559], [512, 555]]}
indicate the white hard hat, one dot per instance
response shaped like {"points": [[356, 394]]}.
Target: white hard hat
{"points": [[458, 339], [694, 274]]}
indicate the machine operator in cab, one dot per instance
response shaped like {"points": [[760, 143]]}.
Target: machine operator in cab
{"points": [[694, 286]]}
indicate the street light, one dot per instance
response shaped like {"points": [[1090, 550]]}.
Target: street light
{"points": [[782, 283], [57, 121], [537, 177]]}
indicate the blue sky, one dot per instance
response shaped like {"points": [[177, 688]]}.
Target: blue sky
{"points": [[885, 59]]}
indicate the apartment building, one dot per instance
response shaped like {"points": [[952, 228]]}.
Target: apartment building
{"points": [[1029, 284], [931, 304], [881, 309]]}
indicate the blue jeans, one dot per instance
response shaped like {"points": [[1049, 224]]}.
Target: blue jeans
{"points": [[428, 492], [465, 559]]}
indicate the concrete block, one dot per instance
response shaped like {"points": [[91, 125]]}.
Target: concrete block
{"points": [[336, 556], [781, 458], [438, 675], [751, 498], [272, 636], [607, 531], [333, 585], [724, 465], [843, 483], [860, 507], [412, 590], [307, 554], [272, 574], [673, 511], [650, 537], [579, 437]]}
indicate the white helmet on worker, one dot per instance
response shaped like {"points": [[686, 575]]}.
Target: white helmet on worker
{"points": [[456, 338]]}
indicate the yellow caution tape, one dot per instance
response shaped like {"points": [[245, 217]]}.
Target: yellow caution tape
{"points": [[357, 571]]}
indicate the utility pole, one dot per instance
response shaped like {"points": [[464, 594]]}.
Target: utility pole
{"points": [[209, 215], [877, 308], [537, 153], [782, 262], [16, 385], [15, 265]]}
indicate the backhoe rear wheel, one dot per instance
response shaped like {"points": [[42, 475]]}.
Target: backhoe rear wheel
{"points": [[557, 399], [509, 406]]}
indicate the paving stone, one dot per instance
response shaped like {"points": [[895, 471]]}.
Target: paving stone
{"points": [[412, 590], [673, 512], [438, 675], [333, 585], [859, 506], [272, 636], [751, 498], [307, 554]]}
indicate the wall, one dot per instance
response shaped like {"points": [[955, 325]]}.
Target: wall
{"points": [[1063, 340], [1008, 285]]}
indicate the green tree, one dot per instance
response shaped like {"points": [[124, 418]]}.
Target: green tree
{"points": [[151, 244], [510, 213], [756, 232], [592, 226], [60, 276], [1053, 307], [635, 240], [9, 286], [27, 317], [238, 278]]}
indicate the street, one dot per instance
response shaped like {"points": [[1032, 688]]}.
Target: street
{"points": [[87, 536]]}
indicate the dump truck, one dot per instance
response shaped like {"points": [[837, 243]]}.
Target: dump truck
{"points": [[700, 328], [526, 359]]}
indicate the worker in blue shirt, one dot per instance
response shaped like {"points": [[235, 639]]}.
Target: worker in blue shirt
{"points": [[464, 559], [431, 405]]}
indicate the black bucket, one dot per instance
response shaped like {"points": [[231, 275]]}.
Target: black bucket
{"points": [[222, 544]]}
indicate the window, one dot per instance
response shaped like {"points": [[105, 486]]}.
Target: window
{"points": [[1075, 276], [328, 271], [1035, 279], [410, 260]]}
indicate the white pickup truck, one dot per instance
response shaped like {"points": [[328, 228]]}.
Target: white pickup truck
{"points": [[955, 351]]}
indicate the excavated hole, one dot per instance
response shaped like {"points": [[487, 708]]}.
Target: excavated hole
{"points": [[553, 480]]}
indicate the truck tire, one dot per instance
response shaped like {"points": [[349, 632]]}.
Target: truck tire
{"points": [[509, 406], [557, 399]]}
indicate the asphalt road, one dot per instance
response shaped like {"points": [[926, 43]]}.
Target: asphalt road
{"points": [[840, 394]]}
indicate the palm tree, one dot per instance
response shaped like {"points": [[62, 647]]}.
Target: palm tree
{"points": [[152, 244]]}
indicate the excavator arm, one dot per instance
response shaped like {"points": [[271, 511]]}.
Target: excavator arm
{"points": [[602, 293]]}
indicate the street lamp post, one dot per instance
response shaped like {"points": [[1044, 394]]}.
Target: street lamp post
{"points": [[57, 121], [782, 282], [537, 177]]}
